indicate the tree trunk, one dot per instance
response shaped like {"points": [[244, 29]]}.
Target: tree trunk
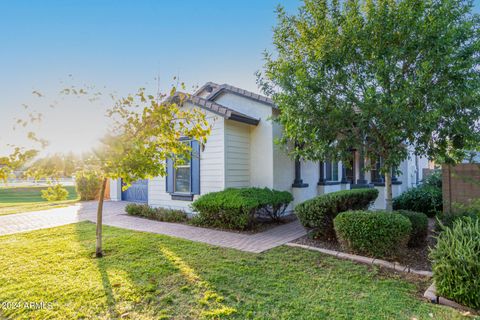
{"points": [[98, 248], [388, 190]]}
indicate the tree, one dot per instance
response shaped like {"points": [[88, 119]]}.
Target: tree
{"points": [[14, 161], [54, 166], [381, 75], [147, 131]]}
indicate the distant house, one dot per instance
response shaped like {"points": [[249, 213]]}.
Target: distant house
{"points": [[241, 152]]}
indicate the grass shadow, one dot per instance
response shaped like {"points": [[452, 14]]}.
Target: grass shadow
{"points": [[164, 284]]}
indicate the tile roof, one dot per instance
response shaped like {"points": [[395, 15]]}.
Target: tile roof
{"points": [[218, 89], [218, 109]]}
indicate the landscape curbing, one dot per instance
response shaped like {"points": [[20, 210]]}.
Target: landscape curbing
{"points": [[372, 261], [431, 295]]}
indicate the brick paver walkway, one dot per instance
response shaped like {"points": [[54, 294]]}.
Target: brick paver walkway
{"points": [[114, 216]]}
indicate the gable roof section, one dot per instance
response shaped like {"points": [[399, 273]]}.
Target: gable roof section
{"points": [[220, 110], [215, 90]]}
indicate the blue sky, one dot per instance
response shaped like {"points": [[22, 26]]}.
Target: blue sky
{"points": [[123, 45]]}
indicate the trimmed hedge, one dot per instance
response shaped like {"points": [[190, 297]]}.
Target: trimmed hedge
{"points": [[237, 208], [425, 198], [456, 262], [160, 214], [318, 213], [419, 223], [373, 233]]}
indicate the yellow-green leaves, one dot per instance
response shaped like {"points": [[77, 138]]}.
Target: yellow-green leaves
{"points": [[148, 130]]}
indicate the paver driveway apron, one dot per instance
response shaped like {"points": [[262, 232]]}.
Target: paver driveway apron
{"points": [[114, 215]]}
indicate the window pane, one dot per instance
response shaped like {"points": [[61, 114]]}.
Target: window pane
{"points": [[182, 179], [334, 171]]}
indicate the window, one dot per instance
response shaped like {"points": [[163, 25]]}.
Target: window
{"points": [[183, 181], [182, 178], [331, 171]]}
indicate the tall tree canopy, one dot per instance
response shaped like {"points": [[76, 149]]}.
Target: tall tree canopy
{"points": [[384, 75]]}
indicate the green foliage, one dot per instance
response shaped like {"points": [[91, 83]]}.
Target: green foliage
{"points": [[88, 183], [472, 208], [434, 179], [447, 219], [419, 223], [141, 142], [376, 233], [318, 213], [272, 203], [55, 193], [160, 214], [237, 208], [173, 278], [18, 158], [53, 166], [456, 262], [424, 198], [374, 75]]}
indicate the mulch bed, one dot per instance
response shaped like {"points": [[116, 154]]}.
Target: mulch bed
{"points": [[415, 258]]}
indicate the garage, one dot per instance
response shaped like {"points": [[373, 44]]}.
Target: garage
{"points": [[138, 192]]}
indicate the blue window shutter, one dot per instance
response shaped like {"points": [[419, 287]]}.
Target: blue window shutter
{"points": [[195, 167], [169, 177]]}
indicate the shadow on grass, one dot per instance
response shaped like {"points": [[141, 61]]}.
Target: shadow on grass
{"points": [[157, 273], [102, 266]]}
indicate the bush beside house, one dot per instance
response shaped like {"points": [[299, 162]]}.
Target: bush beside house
{"points": [[318, 213], [160, 214], [378, 234], [456, 262], [426, 198], [238, 209]]}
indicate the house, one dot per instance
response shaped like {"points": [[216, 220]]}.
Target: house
{"points": [[241, 152]]}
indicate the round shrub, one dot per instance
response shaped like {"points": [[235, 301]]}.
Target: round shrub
{"points": [[318, 213], [419, 223], [425, 198], [88, 184], [456, 262], [237, 208], [55, 193], [373, 233]]}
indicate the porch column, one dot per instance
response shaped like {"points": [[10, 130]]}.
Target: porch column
{"points": [[298, 182], [361, 167]]}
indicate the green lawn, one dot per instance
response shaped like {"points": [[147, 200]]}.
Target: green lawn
{"points": [[147, 276], [22, 199]]}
